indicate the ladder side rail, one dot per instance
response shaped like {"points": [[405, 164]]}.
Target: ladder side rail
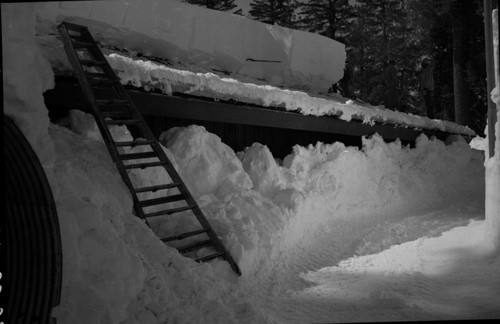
{"points": [[123, 94], [198, 213], [174, 175], [157, 147], [84, 85]]}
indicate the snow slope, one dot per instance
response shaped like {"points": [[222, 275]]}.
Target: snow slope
{"points": [[276, 219], [269, 216]]}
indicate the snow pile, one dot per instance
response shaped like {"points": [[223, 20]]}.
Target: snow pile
{"points": [[263, 208], [261, 211], [115, 268], [194, 35], [23, 92]]}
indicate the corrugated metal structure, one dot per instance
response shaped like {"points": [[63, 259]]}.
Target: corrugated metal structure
{"points": [[32, 241]]}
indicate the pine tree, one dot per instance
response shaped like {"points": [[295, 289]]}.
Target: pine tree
{"points": [[280, 12], [372, 38], [325, 17], [221, 5], [455, 38]]}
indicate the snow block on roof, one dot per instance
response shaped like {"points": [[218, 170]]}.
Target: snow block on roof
{"points": [[218, 40]]}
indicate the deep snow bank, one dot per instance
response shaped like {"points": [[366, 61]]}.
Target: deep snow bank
{"points": [[23, 92], [191, 34], [115, 268], [260, 209]]}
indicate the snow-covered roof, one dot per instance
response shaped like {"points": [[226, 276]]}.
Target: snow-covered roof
{"points": [[141, 60], [148, 74]]}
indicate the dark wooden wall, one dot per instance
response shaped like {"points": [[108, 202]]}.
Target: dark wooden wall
{"points": [[239, 125]]}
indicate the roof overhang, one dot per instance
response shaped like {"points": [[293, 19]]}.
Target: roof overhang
{"points": [[67, 94]]}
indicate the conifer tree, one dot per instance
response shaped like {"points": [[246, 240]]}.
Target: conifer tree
{"points": [[281, 12], [221, 5], [325, 17], [454, 33]]}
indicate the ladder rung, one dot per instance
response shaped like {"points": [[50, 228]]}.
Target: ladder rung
{"points": [[122, 110], [134, 143], [184, 235], [74, 27], [161, 200], [112, 102], [169, 211], [93, 62], [116, 114], [135, 156], [144, 165], [156, 188], [95, 75], [98, 81], [80, 44], [194, 246], [123, 122], [78, 38], [210, 257]]}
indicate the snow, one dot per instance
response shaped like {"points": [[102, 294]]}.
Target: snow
{"points": [[23, 93], [155, 76], [317, 192], [329, 234], [182, 32]]}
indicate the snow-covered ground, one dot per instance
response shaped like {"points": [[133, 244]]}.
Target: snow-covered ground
{"points": [[329, 234], [334, 234]]}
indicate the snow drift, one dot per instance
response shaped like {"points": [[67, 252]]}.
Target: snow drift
{"points": [[260, 209]]}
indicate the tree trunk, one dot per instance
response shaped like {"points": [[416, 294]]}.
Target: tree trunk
{"points": [[460, 86], [332, 19], [384, 30]]}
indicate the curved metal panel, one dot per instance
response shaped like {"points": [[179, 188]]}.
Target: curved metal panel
{"points": [[33, 243]]}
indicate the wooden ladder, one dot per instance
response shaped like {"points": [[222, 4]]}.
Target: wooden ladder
{"points": [[112, 105]]}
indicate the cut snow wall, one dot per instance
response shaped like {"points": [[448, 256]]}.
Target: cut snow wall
{"points": [[492, 222], [218, 40]]}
